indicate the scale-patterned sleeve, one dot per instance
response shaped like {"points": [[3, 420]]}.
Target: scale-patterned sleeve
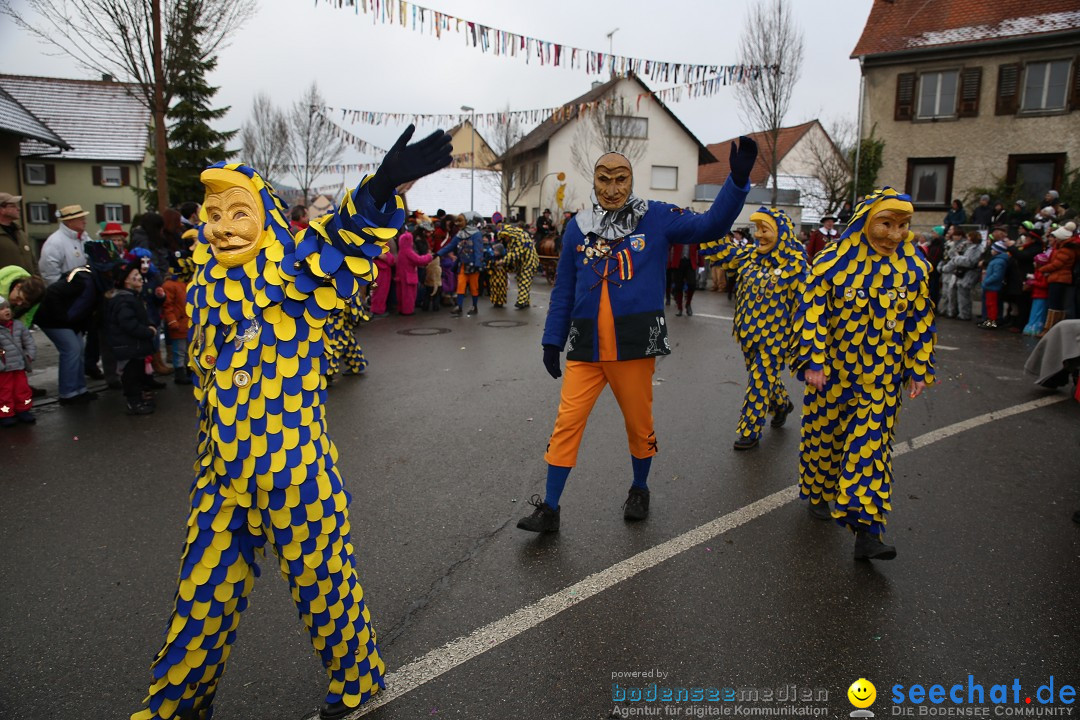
{"points": [[809, 341], [336, 251], [725, 252], [919, 338]]}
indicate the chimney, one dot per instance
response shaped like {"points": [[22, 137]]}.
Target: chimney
{"points": [[106, 77]]}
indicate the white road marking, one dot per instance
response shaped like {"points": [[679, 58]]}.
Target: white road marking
{"points": [[945, 347], [714, 317], [456, 652]]}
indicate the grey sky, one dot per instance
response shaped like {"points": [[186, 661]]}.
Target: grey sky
{"points": [[368, 66]]}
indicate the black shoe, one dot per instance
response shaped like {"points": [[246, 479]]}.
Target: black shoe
{"points": [[689, 310], [26, 417], [678, 313], [181, 377], [333, 711], [8, 422], [780, 416], [114, 385], [745, 443], [456, 312], [870, 547], [80, 399], [472, 311], [94, 373], [38, 392], [150, 383], [139, 408], [497, 305], [521, 306], [820, 510], [636, 506], [543, 518]]}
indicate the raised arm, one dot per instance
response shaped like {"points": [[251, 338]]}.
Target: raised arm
{"points": [[690, 229]]}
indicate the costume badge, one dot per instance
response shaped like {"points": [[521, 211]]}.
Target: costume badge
{"points": [[861, 293], [849, 293], [241, 378], [637, 243]]}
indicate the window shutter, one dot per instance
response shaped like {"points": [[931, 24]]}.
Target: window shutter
{"points": [[99, 211], [905, 96], [1074, 103], [96, 170], [970, 85], [127, 213], [1008, 90], [52, 212], [50, 174], [125, 176]]}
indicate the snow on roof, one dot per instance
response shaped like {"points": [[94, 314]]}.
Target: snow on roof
{"points": [[100, 120], [16, 119], [1012, 27], [448, 189]]}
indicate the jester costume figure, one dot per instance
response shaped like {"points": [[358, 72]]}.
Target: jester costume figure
{"points": [[522, 260], [266, 471], [607, 311], [864, 330], [497, 274], [771, 276]]}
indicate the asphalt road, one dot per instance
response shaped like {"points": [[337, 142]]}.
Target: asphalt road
{"points": [[441, 443]]}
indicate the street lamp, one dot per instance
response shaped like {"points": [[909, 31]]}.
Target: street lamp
{"points": [[472, 154]]}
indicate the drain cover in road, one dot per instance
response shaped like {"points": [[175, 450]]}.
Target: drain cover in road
{"points": [[424, 331], [503, 323]]}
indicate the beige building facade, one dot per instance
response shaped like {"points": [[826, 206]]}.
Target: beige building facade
{"points": [[973, 107]]}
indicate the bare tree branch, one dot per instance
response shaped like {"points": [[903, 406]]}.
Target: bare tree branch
{"points": [[829, 186], [115, 37], [504, 136], [264, 139], [770, 39], [607, 127], [314, 145]]}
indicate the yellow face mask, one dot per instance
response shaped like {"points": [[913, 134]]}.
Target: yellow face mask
{"points": [[765, 233], [234, 216]]}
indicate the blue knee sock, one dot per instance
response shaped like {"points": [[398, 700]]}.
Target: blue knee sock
{"points": [[556, 481], [641, 471], [461, 301], [474, 299]]}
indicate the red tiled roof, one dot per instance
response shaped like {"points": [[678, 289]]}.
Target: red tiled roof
{"points": [[716, 173], [897, 25]]}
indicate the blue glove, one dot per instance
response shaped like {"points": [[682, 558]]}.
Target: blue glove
{"points": [[551, 361], [405, 163], [742, 159]]}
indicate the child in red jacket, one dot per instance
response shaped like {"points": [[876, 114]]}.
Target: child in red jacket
{"points": [[174, 315]]}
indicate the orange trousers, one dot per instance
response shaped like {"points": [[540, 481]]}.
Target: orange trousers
{"points": [[470, 281], [631, 383]]}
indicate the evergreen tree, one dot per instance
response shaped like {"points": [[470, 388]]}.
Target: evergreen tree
{"points": [[193, 143]]}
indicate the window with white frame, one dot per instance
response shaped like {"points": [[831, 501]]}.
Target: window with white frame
{"points": [[664, 177], [937, 94], [111, 176], [536, 172], [114, 213], [1046, 85], [36, 174], [627, 126], [39, 213]]}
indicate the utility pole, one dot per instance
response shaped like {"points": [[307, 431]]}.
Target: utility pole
{"points": [[160, 138], [610, 47], [472, 155]]}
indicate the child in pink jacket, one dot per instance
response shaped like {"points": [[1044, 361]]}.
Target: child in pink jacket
{"points": [[408, 260], [381, 291]]}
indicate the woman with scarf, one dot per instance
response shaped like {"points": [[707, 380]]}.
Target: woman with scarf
{"points": [[607, 311]]}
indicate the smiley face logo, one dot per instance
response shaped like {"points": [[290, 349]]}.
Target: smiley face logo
{"points": [[862, 693]]}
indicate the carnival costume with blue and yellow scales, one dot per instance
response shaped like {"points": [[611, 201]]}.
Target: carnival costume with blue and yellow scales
{"points": [[867, 321], [266, 468], [769, 290]]}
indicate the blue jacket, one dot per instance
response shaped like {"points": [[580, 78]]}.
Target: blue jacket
{"points": [[996, 272], [636, 268], [477, 261]]}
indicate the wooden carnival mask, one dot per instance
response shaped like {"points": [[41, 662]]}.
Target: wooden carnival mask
{"points": [[765, 232], [887, 228], [234, 216], [613, 180]]}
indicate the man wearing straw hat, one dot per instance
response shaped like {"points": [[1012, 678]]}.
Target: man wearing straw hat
{"points": [[63, 250]]}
